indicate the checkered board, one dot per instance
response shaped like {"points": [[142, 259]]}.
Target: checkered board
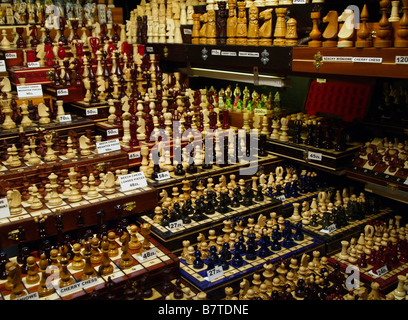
{"points": [[288, 201], [198, 277], [215, 170], [211, 220], [368, 274], [163, 259], [352, 226], [101, 199]]}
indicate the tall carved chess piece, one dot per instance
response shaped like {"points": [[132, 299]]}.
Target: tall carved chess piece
{"points": [[231, 22], [330, 33], [346, 33], [383, 35], [291, 37], [402, 41], [253, 26], [280, 27], [242, 28], [363, 34], [265, 30], [315, 34]]}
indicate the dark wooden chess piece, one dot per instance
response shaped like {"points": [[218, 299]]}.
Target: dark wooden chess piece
{"points": [[221, 20], [198, 262]]}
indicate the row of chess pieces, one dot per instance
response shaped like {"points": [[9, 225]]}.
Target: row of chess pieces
{"points": [[189, 203], [322, 211], [29, 114], [36, 12], [53, 189], [241, 240], [311, 130], [381, 244], [390, 155], [91, 257], [347, 36], [47, 146], [308, 278]]}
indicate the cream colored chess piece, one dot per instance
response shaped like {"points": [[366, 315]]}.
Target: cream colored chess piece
{"points": [[346, 32]]}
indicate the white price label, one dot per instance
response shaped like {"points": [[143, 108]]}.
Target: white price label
{"points": [[34, 64], [215, 273], [132, 181], [91, 112], [62, 92], [163, 176], [215, 52], [229, 53], [134, 155], [337, 59], [65, 118], [3, 66], [4, 208], [11, 55], [381, 271], [401, 60], [149, 49], [299, 2], [248, 54], [112, 132], [331, 228], [188, 31], [29, 91], [314, 156], [260, 112], [31, 296], [149, 254], [281, 198], [77, 286], [367, 60], [175, 224], [108, 146]]}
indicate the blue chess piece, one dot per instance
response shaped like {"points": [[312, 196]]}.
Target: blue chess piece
{"points": [[213, 255], [237, 260], [264, 242], [225, 251], [198, 263], [299, 236], [251, 246], [275, 246]]}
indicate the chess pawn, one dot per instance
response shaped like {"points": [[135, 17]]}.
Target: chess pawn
{"points": [[374, 293], [96, 256], [92, 191], [315, 34], [343, 254], [134, 243], [74, 196], [113, 250], [55, 199], [399, 292], [295, 217], [32, 273], [25, 121], [106, 267], [78, 262]]}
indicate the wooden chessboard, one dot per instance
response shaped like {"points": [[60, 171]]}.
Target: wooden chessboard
{"points": [[164, 259], [199, 279], [133, 201], [368, 274], [333, 238], [171, 238]]}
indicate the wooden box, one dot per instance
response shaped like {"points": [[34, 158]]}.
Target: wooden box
{"points": [[96, 111], [64, 93], [38, 75]]}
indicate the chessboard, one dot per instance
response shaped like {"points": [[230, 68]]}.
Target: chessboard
{"points": [[140, 263], [170, 235], [238, 264]]}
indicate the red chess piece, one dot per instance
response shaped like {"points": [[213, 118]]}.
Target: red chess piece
{"points": [[61, 51], [30, 55]]}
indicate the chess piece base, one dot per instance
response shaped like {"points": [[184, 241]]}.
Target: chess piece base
{"points": [[383, 44], [364, 44], [252, 42], [345, 44], [329, 43], [314, 44], [241, 42], [401, 43], [265, 42], [279, 42], [231, 41]]}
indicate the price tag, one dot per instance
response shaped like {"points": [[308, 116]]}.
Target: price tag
{"points": [[215, 52], [63, 92], [401, 60], [188, 31], [381, 271], [149, 254], [281, 197], [320, 80], [215, 273], [149, 49], [34, 64], [32, 296], [3, 66], [108, 146], [175, 224], [65, 118], [260, 112], [248, 54], [337, 59], [314, 156], [163, 176], [134, 155], [112, 132], [229, 53], [299, 2], [11, 55], [329, 229], [132, 181], [91, 112], [29, 91], [4, 208]]}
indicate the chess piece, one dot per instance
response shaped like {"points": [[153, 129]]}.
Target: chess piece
{"points": [[402, 41], [265, 30], [253, 25], [363, 34], [315, 34], [241, 29], [280, 27], [346, 33], [383, 35], [330, 33]]}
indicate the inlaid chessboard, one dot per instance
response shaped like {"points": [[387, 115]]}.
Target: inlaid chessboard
{"points": [[164, 259], [198, 277], [167, 235]]}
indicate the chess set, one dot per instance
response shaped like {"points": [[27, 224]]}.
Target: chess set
{"points": [[379, 252], [305, 278], [106, 262], [241, 248], [188, 210], [381, 161], [312, 139]]}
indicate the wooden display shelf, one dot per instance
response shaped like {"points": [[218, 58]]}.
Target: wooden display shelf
{"points": [[305, 60], [133, 202], [331, 161]]}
